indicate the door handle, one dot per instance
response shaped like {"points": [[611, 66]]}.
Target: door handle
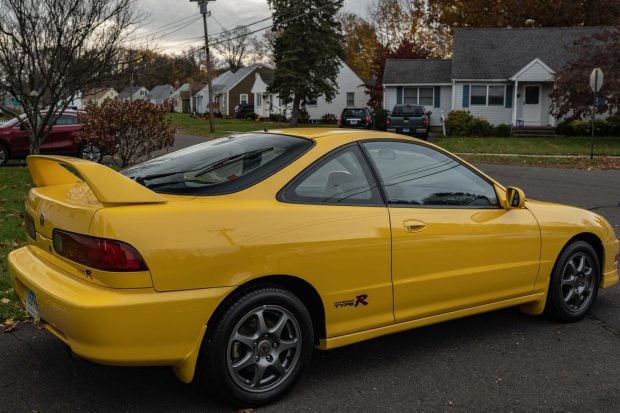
{"points": [[413, 225]]}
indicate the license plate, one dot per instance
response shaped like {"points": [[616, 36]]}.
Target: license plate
{"points": [[353, 121], [420, 130], [405, 130], [31, 304]]}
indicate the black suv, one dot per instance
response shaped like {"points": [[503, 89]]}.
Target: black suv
{"points": [[355, 118], [243, 109]]}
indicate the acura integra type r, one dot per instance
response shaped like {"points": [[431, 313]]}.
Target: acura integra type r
{"points": [[231, 260]]}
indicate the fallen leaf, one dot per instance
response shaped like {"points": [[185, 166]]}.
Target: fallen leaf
{"points": [[5, 300]]}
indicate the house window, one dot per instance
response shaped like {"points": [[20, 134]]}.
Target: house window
{"points": [[258, 100], [496, 95], [350, 99], [478, 95], [311, 102], [243, 98], [421, 96], [426, 96], [410, 96], [531, 95]]}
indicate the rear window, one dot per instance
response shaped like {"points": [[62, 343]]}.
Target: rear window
{"points": [[354, 113], [408, 110], [219, 166]]}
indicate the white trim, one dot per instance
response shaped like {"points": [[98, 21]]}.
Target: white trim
{"points": [[486, 104], [453, 95], [231, 87], [247, 98], [515, 92], [415, 84], [417, 97], [481, 80], [530, 64]]}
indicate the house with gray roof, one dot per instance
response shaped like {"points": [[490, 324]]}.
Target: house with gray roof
{"points": [[160, 93], [502, 75], [350, 94], [230, 89], [134, 93]]}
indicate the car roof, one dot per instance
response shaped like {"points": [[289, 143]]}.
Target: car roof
{"points": [[326, 133]]}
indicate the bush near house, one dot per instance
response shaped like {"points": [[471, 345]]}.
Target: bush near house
{"points": [[128, 130], [583, 127], [463, 123], [329, 118]]}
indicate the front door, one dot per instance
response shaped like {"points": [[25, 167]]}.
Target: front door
{"points": [[532, 113], [453, 245]]}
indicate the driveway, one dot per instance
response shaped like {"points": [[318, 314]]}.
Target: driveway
{"points": [[500, 361]]}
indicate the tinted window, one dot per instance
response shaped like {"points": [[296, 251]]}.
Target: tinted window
{"points": [[354, 113], [339, 178], [219, 166], [66, 120], [417, 175], [408, 110]]}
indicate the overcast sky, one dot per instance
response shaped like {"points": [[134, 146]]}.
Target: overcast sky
{"points": [[174, 25]]}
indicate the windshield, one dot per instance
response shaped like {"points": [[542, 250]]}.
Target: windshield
{"points": [[219, 166], [13, 122], [408, 110]]}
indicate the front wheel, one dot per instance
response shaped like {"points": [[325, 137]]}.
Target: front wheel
{"points": [[91, 152], [258, 347], [574, 283]]}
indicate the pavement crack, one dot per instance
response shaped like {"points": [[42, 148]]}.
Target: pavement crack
{"points": [[603, 206], [36, 353], [605, 326]]}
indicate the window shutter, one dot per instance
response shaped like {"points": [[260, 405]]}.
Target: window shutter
{"points": [[399, 95], [465, 96], [437, 97], [509, 90]]}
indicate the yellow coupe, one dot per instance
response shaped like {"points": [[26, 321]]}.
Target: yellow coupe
{"points": [[231, 260]]}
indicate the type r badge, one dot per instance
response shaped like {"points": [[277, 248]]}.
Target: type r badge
{"points": [[359, 300]]}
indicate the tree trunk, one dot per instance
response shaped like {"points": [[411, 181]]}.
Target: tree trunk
{"points": [[295, 111], [35, 143]]}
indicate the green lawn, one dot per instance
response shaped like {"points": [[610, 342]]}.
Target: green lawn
{"points": [[556, 145], [14, 185], [200, 126]]}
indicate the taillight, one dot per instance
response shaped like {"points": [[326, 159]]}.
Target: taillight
{"points": [[387, 121], [100, 253], [425, 121], [339, 120], [367, 120]]}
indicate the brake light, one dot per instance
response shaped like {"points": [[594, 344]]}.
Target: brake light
{"points": [[367, 120], [339, 120], [387, 121], [425, 121], [100, 253]]}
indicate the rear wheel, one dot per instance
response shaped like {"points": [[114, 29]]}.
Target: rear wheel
{"points": [[4, 155], [91, 152], [258, 347], [574, 283]]}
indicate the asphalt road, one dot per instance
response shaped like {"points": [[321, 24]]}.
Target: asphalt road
{"points": [[501, 361]]}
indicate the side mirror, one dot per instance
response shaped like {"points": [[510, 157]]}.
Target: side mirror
{"points": [[515, 197]]}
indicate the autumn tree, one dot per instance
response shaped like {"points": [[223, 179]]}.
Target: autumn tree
{"points": [[50, 50], [524, 13], [360, 44], [572, 95], [405, 50], [128, 130], [307, 51]]}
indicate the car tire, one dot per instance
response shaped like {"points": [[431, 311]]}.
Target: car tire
{"points": [[90, 152], [573, 286], [257, 348], [4, 155]]}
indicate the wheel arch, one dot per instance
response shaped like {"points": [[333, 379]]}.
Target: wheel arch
{"points": [[302, 289], [595, 242]]}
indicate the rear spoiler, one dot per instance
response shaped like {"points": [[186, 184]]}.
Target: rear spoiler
{"points": [[109, 186]]}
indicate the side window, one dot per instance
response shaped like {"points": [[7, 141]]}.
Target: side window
{"points": [[65, 120], [340, 178], [413, 174]]}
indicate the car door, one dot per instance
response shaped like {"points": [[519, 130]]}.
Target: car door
{"points": [[453, 245], [344, 241], [62, 136]]}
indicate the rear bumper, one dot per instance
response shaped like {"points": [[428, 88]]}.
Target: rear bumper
{"points": [[133, 327], [411, 131]]}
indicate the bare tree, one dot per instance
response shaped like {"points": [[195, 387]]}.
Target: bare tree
{"points": [[234, 46], [52, 49]]}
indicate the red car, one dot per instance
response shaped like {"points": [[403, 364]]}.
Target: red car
{"points": [[62, 140]]}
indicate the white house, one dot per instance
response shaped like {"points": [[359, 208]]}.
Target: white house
{"points": [[502, 75], [134, 93], [182, 99], [350, 94], [99, 95], [160, 93]]}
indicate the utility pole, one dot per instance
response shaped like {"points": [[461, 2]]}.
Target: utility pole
{"points": [[202, 4]]}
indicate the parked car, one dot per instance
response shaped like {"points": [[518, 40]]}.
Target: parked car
{"points": [[243, 109], [63, 139], [411, 120], [233, 259], [355, 118]]}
